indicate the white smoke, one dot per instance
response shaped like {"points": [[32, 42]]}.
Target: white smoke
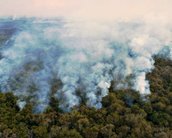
{"points": [[85, 57]]}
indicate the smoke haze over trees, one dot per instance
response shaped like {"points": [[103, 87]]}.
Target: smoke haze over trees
{"points": [[67, 78], [82, 58], [85, 69], [124, 114]]}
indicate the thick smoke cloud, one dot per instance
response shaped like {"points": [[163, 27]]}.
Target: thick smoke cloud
{"points": [[86, 58]]}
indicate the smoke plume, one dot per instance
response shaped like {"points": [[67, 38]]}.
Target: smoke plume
{"points": [[85, 57]]}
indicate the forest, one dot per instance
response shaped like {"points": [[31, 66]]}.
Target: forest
{"points": [[125, 114]]}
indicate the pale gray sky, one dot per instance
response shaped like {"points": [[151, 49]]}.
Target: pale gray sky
{"points": [[89, 9]]}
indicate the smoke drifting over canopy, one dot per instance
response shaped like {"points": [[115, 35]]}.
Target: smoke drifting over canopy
{"points": [[95, 45], [85, 57]]}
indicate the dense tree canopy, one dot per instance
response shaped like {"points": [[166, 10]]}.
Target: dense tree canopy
{"points": [[125, 114]]}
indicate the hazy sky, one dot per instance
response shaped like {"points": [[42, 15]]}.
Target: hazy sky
{"points": [[89, 9]]}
